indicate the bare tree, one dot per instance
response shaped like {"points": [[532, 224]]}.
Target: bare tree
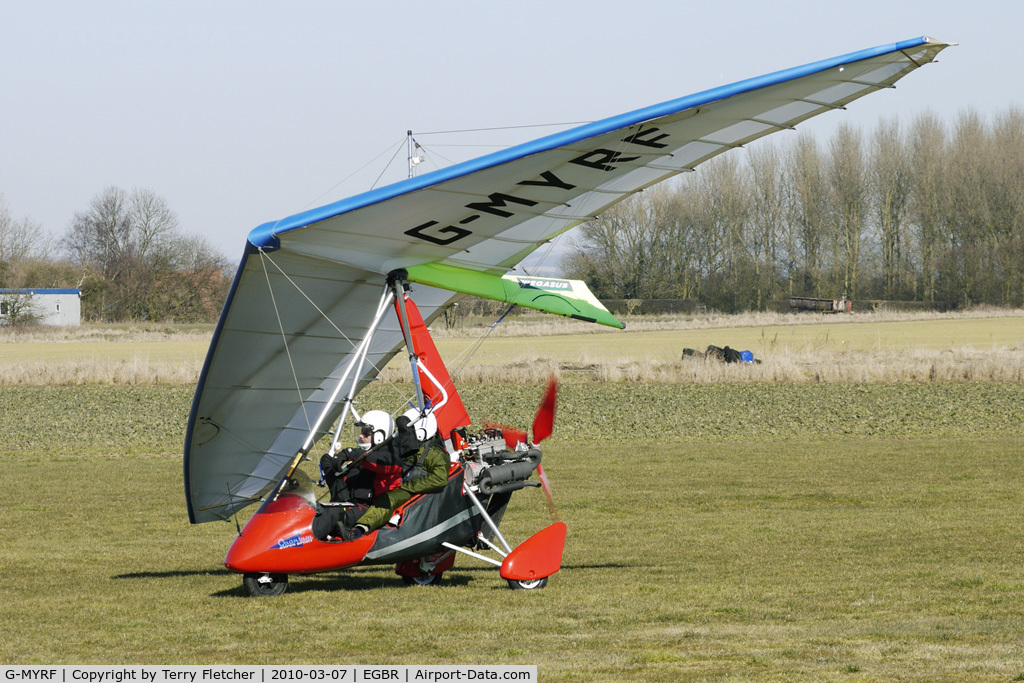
{"points": [[723, 192], [146, 270], [927, 206], [967, 209], [1006, 192], [768, 218], [809, 211], [929, 212], [21, 242], [600, 250], [848, 192], [890, 189]]}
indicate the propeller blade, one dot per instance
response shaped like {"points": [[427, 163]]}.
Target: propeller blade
{"points": [[544, 422], [512, 435], [547, 492]]}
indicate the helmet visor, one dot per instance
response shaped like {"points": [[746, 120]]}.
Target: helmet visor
{"points": [[362, 429]]}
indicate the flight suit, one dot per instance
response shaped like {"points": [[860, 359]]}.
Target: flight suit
{"points": [[434, 463]]}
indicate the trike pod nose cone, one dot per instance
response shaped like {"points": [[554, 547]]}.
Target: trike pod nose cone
{"points": [[538, 556], [242, 553]]}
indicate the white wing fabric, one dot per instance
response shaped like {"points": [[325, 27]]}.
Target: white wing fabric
{"points": [[307, 288]]}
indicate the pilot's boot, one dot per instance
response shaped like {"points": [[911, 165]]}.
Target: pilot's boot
{"points": [[350, 533]]}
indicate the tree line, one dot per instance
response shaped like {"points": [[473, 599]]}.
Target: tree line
{"points": [[128, 255], [925, 212]]}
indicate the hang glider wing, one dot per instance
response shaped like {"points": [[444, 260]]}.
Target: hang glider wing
{"points": [[304, 293]]}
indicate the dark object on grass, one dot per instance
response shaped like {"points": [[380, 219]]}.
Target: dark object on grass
{"points": [[723, 355]]}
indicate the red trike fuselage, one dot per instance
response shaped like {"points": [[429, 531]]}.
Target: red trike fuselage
{"points": [[278, 539]]}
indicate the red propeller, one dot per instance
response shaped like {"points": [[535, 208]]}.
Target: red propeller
{"points": [[543, 425], [544, 422]]}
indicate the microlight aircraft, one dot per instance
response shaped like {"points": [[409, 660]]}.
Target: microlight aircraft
{"points": [[322, 300]]}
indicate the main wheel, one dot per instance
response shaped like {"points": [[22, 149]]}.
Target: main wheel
{"points": [[422, 580], [260, 585], [532, 585]]}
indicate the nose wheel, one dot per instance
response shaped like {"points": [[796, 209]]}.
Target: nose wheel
{"points": [[263, 585]]}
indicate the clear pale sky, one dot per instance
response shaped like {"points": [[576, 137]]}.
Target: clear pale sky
{"points": [[242, 112]]}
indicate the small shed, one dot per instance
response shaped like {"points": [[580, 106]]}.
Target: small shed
{"points": [[58, 307], [806, 303]]}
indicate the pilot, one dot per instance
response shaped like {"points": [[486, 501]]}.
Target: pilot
{"points": [[424, 470], [375, 427], [345, 483], [357, 486], [384, 464]]}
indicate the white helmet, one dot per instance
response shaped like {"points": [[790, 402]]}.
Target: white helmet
{"points": [[377, 424], [425, 426]]}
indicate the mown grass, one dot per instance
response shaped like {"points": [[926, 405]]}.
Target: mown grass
{"points": [[799, 531], [95, 420]]}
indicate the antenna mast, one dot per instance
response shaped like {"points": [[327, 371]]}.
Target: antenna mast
{"points": [[412, 147]]}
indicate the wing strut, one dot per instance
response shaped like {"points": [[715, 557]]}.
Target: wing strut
{"points": [[357, 362], [360, 358], [397, 285]]}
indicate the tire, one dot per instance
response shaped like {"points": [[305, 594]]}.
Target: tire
{"points": [[422, 580], [264, 585], [532, 585]]}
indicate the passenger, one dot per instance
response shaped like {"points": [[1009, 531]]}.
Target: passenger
{"points": [[425, 470]]}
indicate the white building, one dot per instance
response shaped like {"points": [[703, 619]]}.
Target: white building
{"points": [[61, 307]]}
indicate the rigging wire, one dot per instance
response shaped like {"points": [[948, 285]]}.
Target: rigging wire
{"points": [[234, 435], [311, 302], [471, 349], [467, 353], [553, 240], [329, 321], [475, 345], [453, 145], [284, 339], [398, 147], [323, 194], [432, 152], [387, 165]]}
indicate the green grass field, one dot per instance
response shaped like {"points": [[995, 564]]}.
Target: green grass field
{"points": [[751, 532], [786, 525], [666, 345]]}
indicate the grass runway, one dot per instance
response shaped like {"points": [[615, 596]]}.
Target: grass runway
{"points": [[755, 532]]}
